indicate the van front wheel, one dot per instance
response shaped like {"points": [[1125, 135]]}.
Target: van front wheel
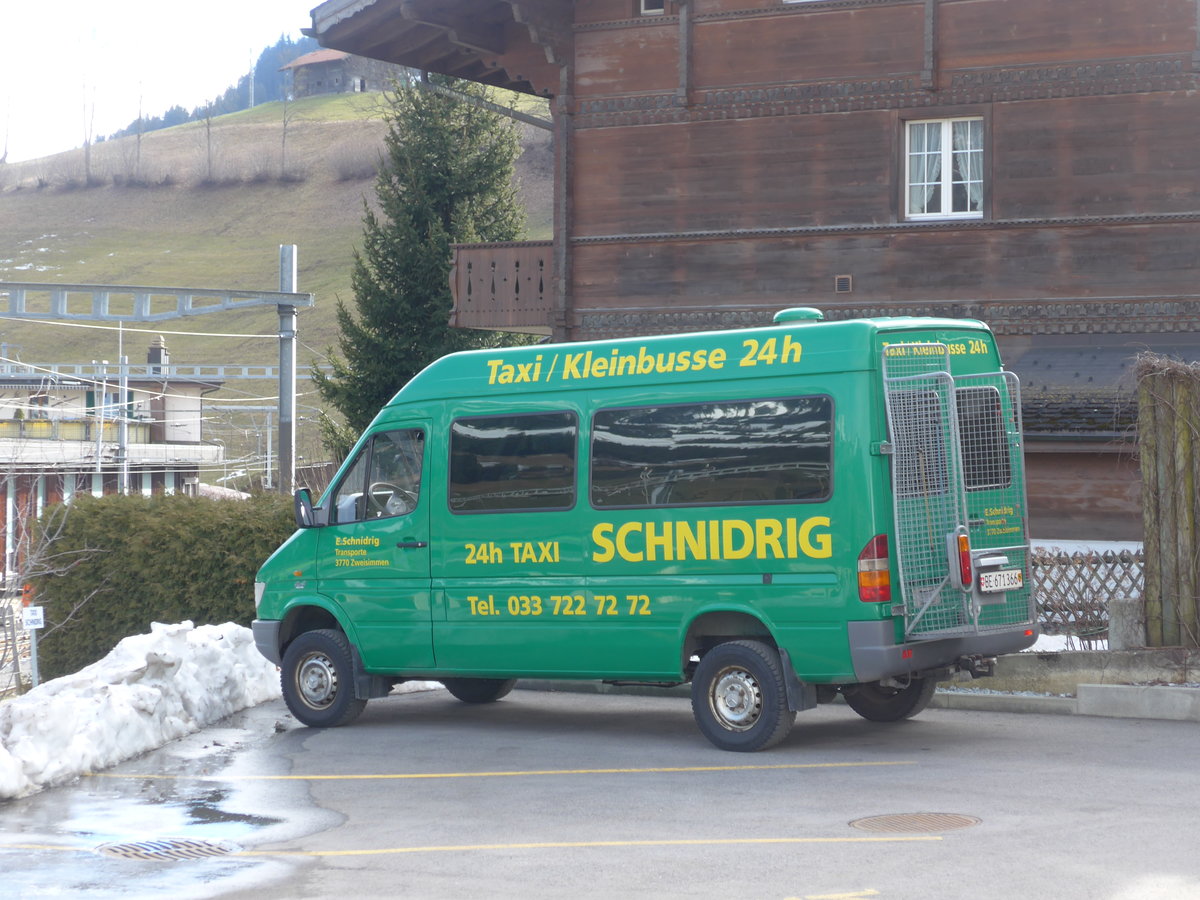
{"points": [[878, 703], [739, 697], [478, 690], [317, 678]]}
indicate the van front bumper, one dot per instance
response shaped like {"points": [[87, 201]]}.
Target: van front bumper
{"points": [[875, 654], [266, 638]]}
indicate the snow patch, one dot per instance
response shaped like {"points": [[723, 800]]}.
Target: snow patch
{"points": [[151, 689]]}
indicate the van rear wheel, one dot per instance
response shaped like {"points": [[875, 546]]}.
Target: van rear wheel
{"points": [[739, 697], [879, 703], [479, 690], [317, 679]]}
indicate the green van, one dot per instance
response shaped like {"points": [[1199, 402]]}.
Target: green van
{"points": [[776, 515]]}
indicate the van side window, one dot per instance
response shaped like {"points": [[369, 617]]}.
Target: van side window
{"points": [[384, 480], [776, 450], [515, 462]]}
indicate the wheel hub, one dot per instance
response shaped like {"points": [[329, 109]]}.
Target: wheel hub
{"points": [[736, 699], [317, 680]]}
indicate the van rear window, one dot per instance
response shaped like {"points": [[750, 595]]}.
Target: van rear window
{"points": [[517, 462], [983, 439], [726, 452], [920, 431]]}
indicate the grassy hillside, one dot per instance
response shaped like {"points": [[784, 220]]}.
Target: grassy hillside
{"points": [[207, 205]]}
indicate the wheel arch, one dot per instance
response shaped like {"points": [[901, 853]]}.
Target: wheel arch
{"points": [[715, 626], [310, 614]]}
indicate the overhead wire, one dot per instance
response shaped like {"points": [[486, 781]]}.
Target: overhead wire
{"points": [[3, 318]]}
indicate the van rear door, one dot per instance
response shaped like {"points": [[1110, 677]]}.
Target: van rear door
{"points": [[958, 485]]}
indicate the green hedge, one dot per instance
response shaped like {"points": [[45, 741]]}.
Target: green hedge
{"points": [[115, 564]]}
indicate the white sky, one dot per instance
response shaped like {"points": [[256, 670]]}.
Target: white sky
{"points": [[117, 54]]}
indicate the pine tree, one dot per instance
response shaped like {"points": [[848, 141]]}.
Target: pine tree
{"points": [[446, 177]]}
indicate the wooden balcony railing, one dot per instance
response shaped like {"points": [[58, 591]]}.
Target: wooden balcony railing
{"points": [[506, 287]]}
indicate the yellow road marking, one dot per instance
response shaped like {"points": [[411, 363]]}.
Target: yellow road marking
{"points": [[411, 776], [41, 847], [559, 845]]}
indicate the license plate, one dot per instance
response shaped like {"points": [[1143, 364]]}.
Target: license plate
{"points": [[1003, 580]]}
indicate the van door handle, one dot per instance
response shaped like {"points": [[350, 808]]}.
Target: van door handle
{"points": [[412, 545]]}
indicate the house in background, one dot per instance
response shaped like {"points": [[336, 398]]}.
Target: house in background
{"points": [[335, 72], [62, 434], [1031, 163]]}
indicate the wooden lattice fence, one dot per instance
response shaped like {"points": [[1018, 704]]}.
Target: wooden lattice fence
{"points": [[1169, 449], [1073, 590]]}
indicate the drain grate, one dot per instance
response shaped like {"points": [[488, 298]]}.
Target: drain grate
{"points": [[170, 849], [906, 822]]}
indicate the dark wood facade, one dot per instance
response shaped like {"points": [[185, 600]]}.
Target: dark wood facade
{"points": [[725, 159]]}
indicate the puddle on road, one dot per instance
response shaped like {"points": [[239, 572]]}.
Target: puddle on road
{"points": [[50, 842]]}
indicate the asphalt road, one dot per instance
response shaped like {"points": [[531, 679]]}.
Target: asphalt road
{"points": [[563, 795]]}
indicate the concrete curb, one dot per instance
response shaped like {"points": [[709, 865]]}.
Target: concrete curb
{"points": [[1118, 701], [1011, 703], [1135, 701], [1122, 701]]}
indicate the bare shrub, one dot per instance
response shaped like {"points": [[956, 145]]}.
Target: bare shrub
{"points": [[260, 169], [354, 161]]}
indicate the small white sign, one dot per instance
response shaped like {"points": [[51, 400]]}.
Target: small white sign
{"points": [[33, 617]]}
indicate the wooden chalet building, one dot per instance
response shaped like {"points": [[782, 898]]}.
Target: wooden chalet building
{"points": [[1033, 163], [334, 72]]}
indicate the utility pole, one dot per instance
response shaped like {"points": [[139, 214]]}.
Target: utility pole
{"points": [[287, 371], [122, 412]]}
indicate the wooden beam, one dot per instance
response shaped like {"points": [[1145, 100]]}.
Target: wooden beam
{"points": [[480, 32], [929, 66], [685, 51]]}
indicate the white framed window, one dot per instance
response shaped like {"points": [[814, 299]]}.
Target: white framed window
{"points": [[652, 7], [944, 169]]}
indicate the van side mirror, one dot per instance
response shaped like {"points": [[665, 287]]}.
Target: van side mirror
{"points": [[304, 509]]}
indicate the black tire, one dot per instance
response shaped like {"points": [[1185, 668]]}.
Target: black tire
{"points": [[739, 697], [317, 677], [877, 703], [479, 690]]}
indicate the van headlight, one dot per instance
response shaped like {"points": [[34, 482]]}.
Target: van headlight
{"points": [[259, 588]]}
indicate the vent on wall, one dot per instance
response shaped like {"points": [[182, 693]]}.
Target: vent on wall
{"points": [[843, 284]]}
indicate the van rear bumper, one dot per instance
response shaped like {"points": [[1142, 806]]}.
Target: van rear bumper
{"points": [[875, 654]]}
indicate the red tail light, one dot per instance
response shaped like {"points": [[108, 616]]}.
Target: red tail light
{"points": [[874, 575], [964, 561]]}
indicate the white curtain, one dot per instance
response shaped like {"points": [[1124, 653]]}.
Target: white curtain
{"points": [[924, 166], [968, 164]]}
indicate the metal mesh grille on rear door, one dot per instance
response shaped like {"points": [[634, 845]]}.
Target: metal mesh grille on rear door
{"points": [[927, 483]]}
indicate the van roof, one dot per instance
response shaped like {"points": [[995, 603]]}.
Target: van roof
{"points": [[807, 346]]}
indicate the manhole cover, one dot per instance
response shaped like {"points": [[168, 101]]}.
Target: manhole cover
{"points": [[168, 849], [906, 822]]}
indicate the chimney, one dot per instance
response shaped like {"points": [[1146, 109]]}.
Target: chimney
{"points": [[157, 358]]}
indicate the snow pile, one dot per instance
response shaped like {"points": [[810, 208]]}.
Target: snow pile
{"points": [[151, 689]]}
